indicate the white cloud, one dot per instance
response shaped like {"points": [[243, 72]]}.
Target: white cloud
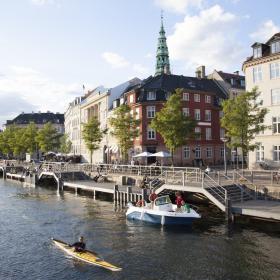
{"points": [[115, 60], [178, 6], [206, 39], [139, 68], [25, 89], [265, 31]]}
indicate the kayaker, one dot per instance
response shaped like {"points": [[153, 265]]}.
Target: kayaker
{"points": [[179, 200], [80, 246]]}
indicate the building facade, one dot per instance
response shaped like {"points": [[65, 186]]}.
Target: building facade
{"points": [[262, 70]]}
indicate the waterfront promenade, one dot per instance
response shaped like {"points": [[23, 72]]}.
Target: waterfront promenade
{"points": [[234, 194]]}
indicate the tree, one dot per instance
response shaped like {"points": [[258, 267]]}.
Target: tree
{"points": [[5, 142], [92, 135], [29, 138], [125, 127], [65, 144], [48, 138], [172, 125], [243, 119]]}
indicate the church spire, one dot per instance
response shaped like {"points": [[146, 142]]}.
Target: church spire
{"points": [[162, 63]]}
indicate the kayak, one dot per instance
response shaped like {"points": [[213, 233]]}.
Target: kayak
{"points": [[86, 256]]}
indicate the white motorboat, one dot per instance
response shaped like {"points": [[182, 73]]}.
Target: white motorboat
{"points": [[162, 211]]}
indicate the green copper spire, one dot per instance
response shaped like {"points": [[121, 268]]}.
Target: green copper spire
{"points": [[162, 64]]}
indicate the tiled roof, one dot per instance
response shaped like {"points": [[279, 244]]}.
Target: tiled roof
{"points": [[37, 118], [237, 79], [168, 83]]}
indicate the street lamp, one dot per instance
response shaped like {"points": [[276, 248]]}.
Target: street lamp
{"points": [[225, 157]]}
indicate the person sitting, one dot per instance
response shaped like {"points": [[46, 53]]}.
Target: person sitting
{"points": [[79, 246]]}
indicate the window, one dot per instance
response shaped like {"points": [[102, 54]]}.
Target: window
{"points": [[151, 95], [276, 153], [209, 152], [208, 133], [276, 125], [186, 112], [275, 96], [187, 152], [151, 111], [275, 47], [257, 74], [196, 98], [222, 152], [274, 70], [131, 98], [259, 153], [257, 52], [242, 82], [151, 134], [207, 99], [137, 113], [208, 115], [197, 114], [221, 114], [197, 152], [197, 131], [222, 133], [186, 96]]}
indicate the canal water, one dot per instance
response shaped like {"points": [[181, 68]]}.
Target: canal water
{"points": [[30, 217]]}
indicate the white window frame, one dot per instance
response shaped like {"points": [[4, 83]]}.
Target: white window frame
{"points": [[276, 153], [186, 112], [151, 95], [209, 152], [222, 152], [275, 96], [186, 96], [257, 74], [207, 99], [276, 125], [197, 130], [151, 134], [274, 70], [187, 152], [208, 133], [260, 153], [257, 52], [197, 115], [151, 112], [131, 98], [196, 97], [275, 47], [208, 115]]}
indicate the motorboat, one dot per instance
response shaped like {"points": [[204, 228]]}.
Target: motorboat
{"points": [[162, 211]]}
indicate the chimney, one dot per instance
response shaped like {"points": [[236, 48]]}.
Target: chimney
{"points": [[236, 73], [200, 72]]}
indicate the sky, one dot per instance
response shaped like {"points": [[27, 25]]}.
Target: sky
{"points": [[49, 49]]}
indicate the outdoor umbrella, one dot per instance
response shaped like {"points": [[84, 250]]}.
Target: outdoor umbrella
{"points": [[162, 154], [144, 154]]}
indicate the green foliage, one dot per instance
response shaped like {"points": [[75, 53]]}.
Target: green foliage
{"points": [[65, 144], [92, 135], [48, 138], [29, 138], [243, 119], [125, 128], [172, 125]]}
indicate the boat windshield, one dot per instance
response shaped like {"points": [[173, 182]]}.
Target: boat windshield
{"points": [[162, 200]]}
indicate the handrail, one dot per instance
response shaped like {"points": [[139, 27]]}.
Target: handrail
{"points": [[247, 180]]}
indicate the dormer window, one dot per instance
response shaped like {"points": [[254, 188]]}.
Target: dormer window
{"points": [[151, 95], [275, 47], [257, 52]]}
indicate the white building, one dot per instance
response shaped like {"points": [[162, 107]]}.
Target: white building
{"points": [[262, 69]]}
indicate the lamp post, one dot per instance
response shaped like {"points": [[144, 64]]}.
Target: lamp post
{"points": [[225, 156]]}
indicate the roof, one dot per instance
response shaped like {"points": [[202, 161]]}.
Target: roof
{"points": [[37, 118], [237, 79], [168, 83]]}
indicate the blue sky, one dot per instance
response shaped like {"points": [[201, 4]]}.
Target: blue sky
{"points": [[50, 48]]}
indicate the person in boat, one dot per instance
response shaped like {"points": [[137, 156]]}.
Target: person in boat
{"points": [[79, 246], [153, 196], [179, 200]]}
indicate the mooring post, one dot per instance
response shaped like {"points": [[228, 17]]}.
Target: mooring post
{"points": [[256, 194], [4, 173], [116, 188], [228, 211], [144, 194], [128, 191]]}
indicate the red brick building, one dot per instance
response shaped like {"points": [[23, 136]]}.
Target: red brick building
{"points": [[200, 99]]}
